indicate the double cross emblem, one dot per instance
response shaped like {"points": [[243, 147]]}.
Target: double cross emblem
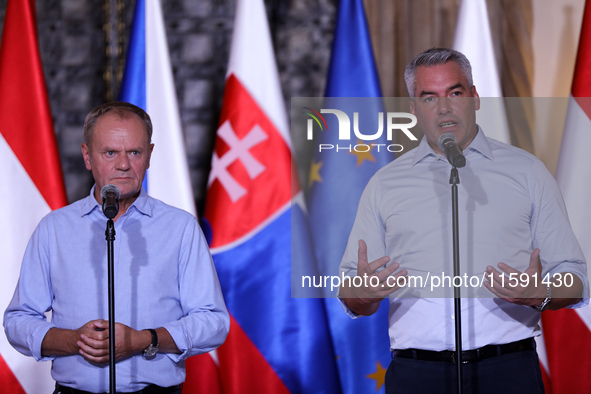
{"points": [[239, 150]]}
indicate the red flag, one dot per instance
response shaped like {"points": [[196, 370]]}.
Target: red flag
{"points": [[568, 331], [31, 182], [203, 375]]}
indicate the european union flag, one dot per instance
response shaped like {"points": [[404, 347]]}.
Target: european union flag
{"points": [[337, 179]]}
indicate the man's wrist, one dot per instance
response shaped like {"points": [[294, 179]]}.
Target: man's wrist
{"points": [[151, 350], [541, 304], [60, 342], [74, 336], [145, 340]]}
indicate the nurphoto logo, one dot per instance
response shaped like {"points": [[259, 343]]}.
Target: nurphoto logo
{"points": [[392, 124]]}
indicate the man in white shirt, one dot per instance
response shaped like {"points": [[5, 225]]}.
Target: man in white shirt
{"points": [[510, 211]]}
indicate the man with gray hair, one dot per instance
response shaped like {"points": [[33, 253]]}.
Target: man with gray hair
{"points": [[169, 304], [512, 222]]}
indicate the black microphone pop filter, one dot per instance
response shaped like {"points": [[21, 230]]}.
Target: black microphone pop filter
{"points": [[448, 144], [110, 195]]}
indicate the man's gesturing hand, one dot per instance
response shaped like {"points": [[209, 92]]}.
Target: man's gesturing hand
{"points": [[532, 292], [365, 299], [525, 292]]}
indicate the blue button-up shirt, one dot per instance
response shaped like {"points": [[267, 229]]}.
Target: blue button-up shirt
{"points": [[164, 277]]}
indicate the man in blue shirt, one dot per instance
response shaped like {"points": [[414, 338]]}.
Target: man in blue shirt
{"points": [[512, 220], [169, 304]]}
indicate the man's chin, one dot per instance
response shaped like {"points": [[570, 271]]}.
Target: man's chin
{"points": [[127, 190], [451, 129], [129, 193]]}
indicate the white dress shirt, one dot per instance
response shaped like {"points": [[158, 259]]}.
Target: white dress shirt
{"points": [[509, 204]]}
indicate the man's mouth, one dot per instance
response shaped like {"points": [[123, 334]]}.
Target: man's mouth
{"points": [[447, 124]]}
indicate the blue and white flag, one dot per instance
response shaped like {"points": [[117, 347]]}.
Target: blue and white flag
{"points": [[361, 345], [148, 83]]}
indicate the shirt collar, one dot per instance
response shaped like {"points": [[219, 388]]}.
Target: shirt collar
{"points": [[142, 204], [423, 150], [479, 144], [89, 204]]}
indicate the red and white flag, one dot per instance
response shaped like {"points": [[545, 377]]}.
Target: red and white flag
{"points": [[474, 39], [277, 344], [31, 182], [252, 124], [568, 331]]}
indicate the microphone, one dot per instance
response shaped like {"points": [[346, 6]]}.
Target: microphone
{"points": [[448, 144], [110, 195]]}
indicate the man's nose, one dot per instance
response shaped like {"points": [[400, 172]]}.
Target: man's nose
{"points": [[443, 105], [123, 162]]}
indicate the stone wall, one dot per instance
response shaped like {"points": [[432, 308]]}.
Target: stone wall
{"points": [[73, 45]]}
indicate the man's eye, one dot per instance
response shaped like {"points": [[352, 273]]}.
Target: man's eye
{"points": [[428, 99], [134, 153], [110, 153]]}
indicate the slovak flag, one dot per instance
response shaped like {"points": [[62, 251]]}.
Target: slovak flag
{"points": [[31, 182], [276, 344]]}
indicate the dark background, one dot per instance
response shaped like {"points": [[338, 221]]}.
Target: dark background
{"points": [[83, 45], [83, 54]]}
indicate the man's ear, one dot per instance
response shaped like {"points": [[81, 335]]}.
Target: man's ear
{"points": [[86, 155], [476, 98], [411, 104], [150, 154]]}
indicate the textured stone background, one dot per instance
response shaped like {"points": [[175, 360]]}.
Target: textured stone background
{"points": [[73, 45]]}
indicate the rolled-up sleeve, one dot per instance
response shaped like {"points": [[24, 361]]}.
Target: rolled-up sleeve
{"points": [[551, 231], [25, 323], [206, 322]]}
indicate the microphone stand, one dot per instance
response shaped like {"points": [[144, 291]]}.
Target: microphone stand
{"points": [[110, 237], [454, 180]]}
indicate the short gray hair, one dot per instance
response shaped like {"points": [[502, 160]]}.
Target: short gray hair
{"points": [[119, 108], [435, 57]]}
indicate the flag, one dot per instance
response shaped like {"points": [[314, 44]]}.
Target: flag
{"points": [[31, 182], [148, 83], [474, 39], [568, 331], [362, 345], [276, 344]]}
